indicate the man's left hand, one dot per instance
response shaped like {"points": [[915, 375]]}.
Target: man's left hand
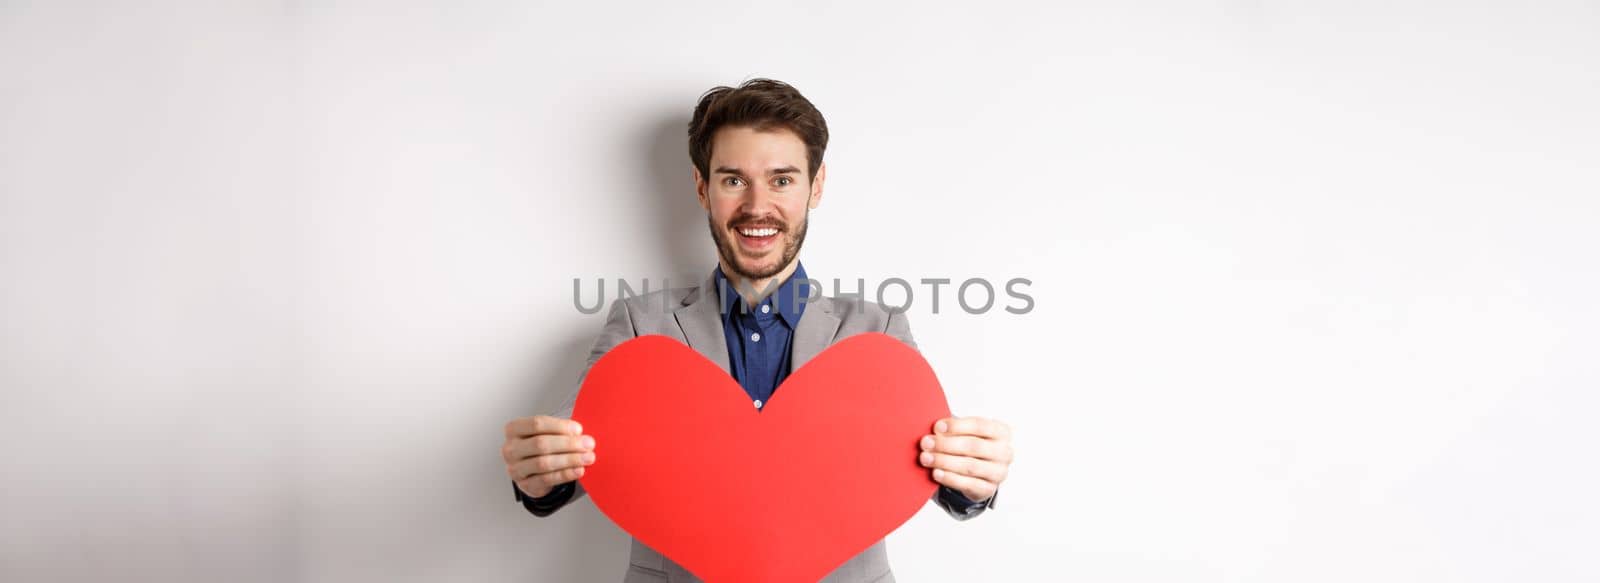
{"points": [[968, 454]]}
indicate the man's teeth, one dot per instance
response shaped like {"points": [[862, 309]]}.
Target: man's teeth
{"points": [[758, 232]]}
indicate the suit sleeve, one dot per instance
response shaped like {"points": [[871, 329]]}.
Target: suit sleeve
{"points": [[618, 328], [954, 503]]}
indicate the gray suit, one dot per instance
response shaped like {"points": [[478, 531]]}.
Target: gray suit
{"points": [[692, 316]]}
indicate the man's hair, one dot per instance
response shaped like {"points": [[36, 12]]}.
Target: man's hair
{"points": [[762, 105]]}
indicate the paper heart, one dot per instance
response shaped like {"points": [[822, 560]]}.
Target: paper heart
{"points": [[686, 464]]}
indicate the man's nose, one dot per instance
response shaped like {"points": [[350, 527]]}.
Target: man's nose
{"points": [[759, 197]]}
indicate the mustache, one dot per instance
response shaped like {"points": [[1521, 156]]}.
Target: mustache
{"points": [[752, 221]]}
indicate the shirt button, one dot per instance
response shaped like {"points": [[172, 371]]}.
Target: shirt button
{"points": [[765, 308], [758, 403], [755, 336]]}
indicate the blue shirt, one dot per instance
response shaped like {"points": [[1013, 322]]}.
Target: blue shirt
{"points": [[760, 337]]}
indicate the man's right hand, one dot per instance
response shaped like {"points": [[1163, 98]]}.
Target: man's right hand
{"points": [[543, 452]]}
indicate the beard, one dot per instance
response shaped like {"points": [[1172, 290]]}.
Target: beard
{"points": [[730, 253]]}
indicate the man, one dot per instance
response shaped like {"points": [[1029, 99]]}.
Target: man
{"points": [[757, 153]]}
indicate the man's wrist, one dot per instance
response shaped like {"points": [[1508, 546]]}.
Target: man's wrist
{"points": [[548, 503], [960, 505]]}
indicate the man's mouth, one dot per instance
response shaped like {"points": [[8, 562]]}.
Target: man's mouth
{"points": [[757, 237], [758, 232]]}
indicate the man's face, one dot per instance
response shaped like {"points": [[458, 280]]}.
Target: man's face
{"points": [[758, 198]]}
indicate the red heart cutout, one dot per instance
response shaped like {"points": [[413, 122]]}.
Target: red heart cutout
{"points": [[685, 463]]}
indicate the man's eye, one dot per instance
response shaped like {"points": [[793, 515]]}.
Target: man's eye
{"points": [[731, 181], [784, 180]]}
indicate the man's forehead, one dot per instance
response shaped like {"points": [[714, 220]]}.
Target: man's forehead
{"points": [[748, 148], [781, 169]]}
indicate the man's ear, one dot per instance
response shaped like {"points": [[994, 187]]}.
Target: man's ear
{"points": [[700, 190], [816, 185]]}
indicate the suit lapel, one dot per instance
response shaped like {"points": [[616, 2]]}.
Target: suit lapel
{"points": [[700, 318], [815, 332]]}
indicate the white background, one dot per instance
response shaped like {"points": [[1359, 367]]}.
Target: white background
{"points": [[1315, 282]]}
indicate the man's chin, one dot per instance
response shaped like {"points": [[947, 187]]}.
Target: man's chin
{"points": [[756, 269]]}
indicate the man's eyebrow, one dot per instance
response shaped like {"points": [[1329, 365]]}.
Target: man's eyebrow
{"points": [[778, 170]]}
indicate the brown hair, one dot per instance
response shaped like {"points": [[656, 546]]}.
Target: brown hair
{"points": [[761, 104]]}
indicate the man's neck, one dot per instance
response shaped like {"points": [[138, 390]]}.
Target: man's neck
{"points": [[755, 290]]}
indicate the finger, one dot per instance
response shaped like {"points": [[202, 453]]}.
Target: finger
{"points": [[966, 466], [540, 485], [545, 464], [541, 424], [545, 445], [979, 426], [967, 445], [971, 487]]}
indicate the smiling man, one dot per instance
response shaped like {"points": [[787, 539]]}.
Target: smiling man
{"points": [[757, 154]]}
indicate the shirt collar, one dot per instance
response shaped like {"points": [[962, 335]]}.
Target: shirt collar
{"points": [[788, 299]]}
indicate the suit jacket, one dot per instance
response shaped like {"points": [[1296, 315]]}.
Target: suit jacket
{"points": [[693, 316]]}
